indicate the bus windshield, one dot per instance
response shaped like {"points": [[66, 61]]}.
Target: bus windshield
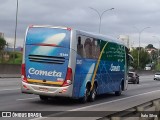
{"points": [[48, 37]]}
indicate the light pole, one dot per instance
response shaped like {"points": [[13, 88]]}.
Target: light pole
{"points": [[140, 32], [100, 15], [15, 37], [159, 47]]}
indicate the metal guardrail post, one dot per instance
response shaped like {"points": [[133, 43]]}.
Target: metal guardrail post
{"points": [[115, 118], [157, 105]]}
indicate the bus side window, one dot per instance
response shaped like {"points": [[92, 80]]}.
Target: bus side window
{"points": [[80, 47], [88, 48], [97, 49], [94, 48]]}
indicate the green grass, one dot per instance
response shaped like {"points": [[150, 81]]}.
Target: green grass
{"points": [[18, 58]]}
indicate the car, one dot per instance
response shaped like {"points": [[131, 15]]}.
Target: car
{"points": [[157, 76], [147, 68], [133, 77]]}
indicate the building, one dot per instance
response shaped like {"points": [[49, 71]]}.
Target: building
{"points": [[1, 35], [149, 50]]}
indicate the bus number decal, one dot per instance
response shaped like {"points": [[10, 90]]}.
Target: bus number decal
{"points": [[63, 54], [79, 62]]}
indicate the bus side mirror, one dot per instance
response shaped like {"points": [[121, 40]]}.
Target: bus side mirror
{"points": [[130, 59]]}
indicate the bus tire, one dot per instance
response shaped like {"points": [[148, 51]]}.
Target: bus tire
{"points": [[93, 94], [118, 93], [84, 99], [138, 82], [43, 98]]}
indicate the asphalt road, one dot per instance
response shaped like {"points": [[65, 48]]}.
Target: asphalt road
{"points": [[11, 98]]}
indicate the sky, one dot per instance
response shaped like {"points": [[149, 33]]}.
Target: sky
{"points": [[129, 17]]}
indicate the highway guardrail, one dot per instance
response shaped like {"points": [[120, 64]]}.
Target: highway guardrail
{"points": [[145, 111]]}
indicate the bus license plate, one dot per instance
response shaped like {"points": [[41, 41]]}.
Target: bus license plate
{"points": [[43, 89]]}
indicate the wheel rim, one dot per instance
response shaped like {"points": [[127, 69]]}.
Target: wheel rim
{"points": [[120, 89], [94, 94], [86, 95]]}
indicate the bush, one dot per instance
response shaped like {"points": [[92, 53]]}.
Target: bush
{"points": [[158, 67], [11, 56]]}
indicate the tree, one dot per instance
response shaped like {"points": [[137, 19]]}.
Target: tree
{"points": [[150, 46], [153, 55], [144, 58], [2, 43], [2, 46], [153, 52]]}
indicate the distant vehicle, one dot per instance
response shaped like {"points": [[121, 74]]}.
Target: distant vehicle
{"points": [[148, 67], [131, 68], [133, 77], [64, 62], [157, 76]]}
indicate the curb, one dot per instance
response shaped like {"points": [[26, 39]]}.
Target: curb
{"points": [[10, 75]]}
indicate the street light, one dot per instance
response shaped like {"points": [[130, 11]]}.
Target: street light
{"points": [[159, 46], [140, 31], [100, 15], [15, 34]]}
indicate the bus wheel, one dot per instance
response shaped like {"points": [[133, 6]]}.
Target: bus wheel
{"points": [[84, 99], [93, 93], [44, 98], [118, 93]]}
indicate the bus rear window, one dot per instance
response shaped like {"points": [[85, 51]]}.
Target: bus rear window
{"points": [[48, 37]]}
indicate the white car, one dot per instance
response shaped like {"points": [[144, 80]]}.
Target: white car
{"points": [[157, 76], [147, 68]]}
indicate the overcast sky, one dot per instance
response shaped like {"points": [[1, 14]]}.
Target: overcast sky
{"points": [[129, 17]]}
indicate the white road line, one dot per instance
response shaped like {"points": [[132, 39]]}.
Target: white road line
{"points": [[145, 84], [9, 89], [113, 101], [89, 106], [26, 99]]}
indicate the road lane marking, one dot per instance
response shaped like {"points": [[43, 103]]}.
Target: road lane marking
{"points": [[89, 106], [9, 89], [140, 85], [26, 99], [100, 103]]}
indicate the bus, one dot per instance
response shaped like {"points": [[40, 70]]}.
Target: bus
{"points": [[65, 62]]}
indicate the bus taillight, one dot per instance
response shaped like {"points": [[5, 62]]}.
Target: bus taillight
{"points": [[23, 72], [68, 79], [69, 29], [30, 26]]}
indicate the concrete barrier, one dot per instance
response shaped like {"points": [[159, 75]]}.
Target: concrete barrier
{"points": [[10, 70], [144, 72]]}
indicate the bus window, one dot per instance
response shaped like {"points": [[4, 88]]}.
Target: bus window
{"points": [[94, 42], [98, 49], [79, 47], [88, 48], [95, 49]]}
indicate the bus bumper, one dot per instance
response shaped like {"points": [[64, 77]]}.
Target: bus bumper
{"points": [[47, 90]]}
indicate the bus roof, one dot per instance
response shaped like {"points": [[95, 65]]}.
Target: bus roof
{"points": [[102, 37], [48, 26], [94, 35]]}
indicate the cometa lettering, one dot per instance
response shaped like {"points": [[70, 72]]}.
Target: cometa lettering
{"points": [[115, 68], [54, 73]]}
